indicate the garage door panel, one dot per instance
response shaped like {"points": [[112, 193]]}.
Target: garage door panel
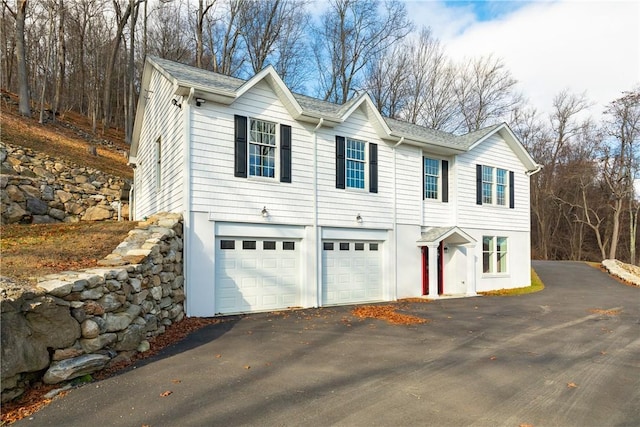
{"points": [[351, 272], [256, 279]]}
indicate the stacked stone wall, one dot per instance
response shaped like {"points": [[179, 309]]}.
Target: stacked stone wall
{"points": [[36, 188], [75, 323]]}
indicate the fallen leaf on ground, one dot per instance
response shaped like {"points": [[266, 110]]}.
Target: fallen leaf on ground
{"points": [[388, 313], [247, 367], [611, 312], [176, 381], [572, 385], [165, 393]]}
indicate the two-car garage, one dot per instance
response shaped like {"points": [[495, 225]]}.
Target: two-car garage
{"points": [[255, 274]]}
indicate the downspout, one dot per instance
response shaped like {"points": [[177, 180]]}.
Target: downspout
{"points": [[394, 292], [131, 195], [317, 253], [535, 171], [186, 197]]}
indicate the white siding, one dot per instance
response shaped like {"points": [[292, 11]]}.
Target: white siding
{"points": [[518, 261], [161, 120], [493, 152], [339, 207], [217, 191], [408, 184], [435, 212]]}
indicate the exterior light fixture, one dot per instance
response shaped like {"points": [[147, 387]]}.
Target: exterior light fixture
{"points": [[200, 101], [264, 212], [359, 219]]}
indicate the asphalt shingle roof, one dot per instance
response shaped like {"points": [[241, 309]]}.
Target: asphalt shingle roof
{"points": [[186, 75]]}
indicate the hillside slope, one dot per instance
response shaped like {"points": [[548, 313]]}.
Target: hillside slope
{"points": [[69, 138]]}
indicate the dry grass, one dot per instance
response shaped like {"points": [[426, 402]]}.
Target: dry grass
{"points": [[62, 142], [39, 249], [536, 286]]}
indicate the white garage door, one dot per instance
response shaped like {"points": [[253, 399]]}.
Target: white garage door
{"points": [[256, 275], [351, 272]]}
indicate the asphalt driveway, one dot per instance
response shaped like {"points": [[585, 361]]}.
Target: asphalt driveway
{"points": [[566, 356]]}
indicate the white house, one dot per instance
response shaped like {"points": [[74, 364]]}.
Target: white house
{"points": [[290, 201]]}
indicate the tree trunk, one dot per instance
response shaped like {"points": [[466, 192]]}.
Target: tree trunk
{"points": [[615, 233], [131, 97], [23, 81], [115, 45], [62, 47]]}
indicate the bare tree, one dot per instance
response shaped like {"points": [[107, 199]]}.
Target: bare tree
{"points": [[621, 164], [352, 33], [432, 100], [61, 59], [387, 80], [121, 18], [203, 9], [273, 32], [19, 15], [168, 32], [485, 91]]}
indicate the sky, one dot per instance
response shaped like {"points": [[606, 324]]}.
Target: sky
{"points": [[582, 46]]}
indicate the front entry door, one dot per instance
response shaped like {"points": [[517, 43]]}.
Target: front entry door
{"points": [[425, 269]]}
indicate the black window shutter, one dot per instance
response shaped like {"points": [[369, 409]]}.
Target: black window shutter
{"points": [[373, 168], [285, 153], [478, 184], [445, 181], [340, 162], [512, 192], [240, 155]]}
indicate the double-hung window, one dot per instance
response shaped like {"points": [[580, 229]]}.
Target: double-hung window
{"points": [[258, 144], [356, 164], [262, 148], [494, 254], [487, 184], [431, 178], [356, 161], [495, 186]]}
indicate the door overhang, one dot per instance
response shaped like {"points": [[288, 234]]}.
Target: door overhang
{"points": [[432, 236]]}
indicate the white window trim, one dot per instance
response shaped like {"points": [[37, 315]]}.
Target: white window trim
{"points": [[364, 189], [493, 261], [439, 177], [276, 159], [494, 187]]}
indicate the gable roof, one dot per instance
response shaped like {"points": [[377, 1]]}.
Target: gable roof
{"points": [[195, 82]]}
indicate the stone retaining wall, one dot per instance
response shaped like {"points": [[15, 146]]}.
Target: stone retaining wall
{"points": [[36, 188], [78, 322]]}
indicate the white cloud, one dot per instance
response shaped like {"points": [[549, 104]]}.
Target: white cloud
{"points": [[582, 46]]}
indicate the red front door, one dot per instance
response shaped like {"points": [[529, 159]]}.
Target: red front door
{"points": [[425, 269]]}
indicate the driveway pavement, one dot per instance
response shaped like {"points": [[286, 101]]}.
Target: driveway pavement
{"points": [[554, 358]]}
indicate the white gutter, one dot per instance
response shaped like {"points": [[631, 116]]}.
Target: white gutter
{"points": [[318, 261], [535, 171]]}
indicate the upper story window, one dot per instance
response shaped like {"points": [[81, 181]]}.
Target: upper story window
{"points": [[262, 148], [258, 144], [494, 186], [431, 178], [494, 254], [435, 179], [355, 163]]}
